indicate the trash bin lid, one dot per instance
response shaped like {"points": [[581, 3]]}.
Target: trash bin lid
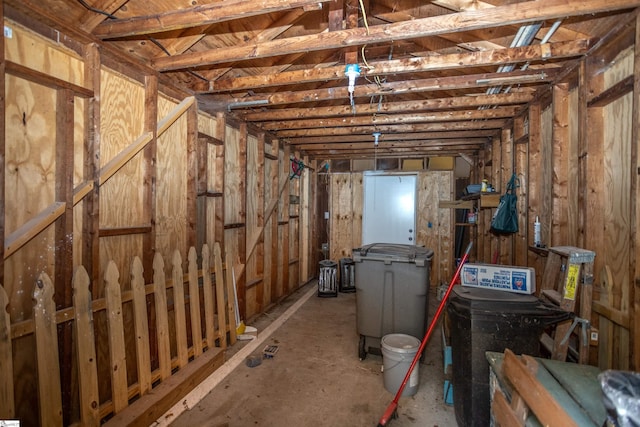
{"points": [[393, 252], [491, 299], [498, 303]]}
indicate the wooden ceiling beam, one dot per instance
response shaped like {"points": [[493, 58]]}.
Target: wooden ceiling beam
{"points": [[385, 119], [200, 15], [92, 18], [416, 127], [517, 13], [494, 57], [402, 87], [458, 102]]}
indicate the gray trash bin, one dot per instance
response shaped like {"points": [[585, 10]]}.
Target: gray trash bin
{"points": [[392, 290]]}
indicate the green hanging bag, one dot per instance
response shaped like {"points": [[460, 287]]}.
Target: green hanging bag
{"points": [[505, 218]]}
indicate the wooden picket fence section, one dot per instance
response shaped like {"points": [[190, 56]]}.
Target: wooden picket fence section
{"points": [[155, 391]]}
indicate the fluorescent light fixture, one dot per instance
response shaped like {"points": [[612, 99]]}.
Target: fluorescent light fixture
{"points": [[512, 79]]}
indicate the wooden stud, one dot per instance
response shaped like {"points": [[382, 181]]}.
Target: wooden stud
{"points": [[91, 203], [192, 169], [150, 173], [64, 230]]}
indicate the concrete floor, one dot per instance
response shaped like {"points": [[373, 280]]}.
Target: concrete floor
{"points": [[316, 377]]}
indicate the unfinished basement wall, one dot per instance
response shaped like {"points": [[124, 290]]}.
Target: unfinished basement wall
{"points": [[104, 163], [576, 157]]}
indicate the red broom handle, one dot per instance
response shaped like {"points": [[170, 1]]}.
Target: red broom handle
{"points": [[394, 404]]}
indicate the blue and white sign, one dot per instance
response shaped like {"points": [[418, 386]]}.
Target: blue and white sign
{"points": [[501, 277]]}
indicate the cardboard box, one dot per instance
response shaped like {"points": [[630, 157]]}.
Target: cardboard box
{"points": [[501, 277]]}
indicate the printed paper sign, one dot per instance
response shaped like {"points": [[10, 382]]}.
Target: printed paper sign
{"points": [[501, 277]]}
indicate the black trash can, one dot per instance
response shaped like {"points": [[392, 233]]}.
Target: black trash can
{"points": [[327, 279], [484, 320], [347, 275]]}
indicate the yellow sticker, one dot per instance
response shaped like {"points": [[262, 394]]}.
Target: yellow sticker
{"points": [[572, 282]]}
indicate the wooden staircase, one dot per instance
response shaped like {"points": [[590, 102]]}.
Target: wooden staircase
{"points": [[567, 282]]}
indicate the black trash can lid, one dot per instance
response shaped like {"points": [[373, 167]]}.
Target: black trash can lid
{"points": [[469, 299], [478, 295]]}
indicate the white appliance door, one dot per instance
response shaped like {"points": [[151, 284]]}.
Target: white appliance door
{"points": [[389, 209]]}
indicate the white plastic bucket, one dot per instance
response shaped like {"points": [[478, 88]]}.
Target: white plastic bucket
{"points": [[398, 351]]}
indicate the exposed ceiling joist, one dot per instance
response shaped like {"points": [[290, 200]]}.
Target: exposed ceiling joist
{"points": [[200, 15], [495, 57], [510, 14]]}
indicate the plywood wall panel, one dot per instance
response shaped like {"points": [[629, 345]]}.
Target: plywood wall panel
{"points": [[233, 177], [30, 155], [255, 204], [617, 212], [433, 225], [121, 197], [357, 204], [26, 48], [171, 186], [341, 216], [619, 69]]}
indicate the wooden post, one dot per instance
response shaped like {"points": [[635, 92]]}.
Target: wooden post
{"points": [[194, 303], [141, 321], [91, 203], [162, 320], [192, 169], [150, 173], [64, 232]]}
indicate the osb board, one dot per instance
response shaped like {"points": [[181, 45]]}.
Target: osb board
{"points": [[433, 224], [121, 198], [171, 185], [26, 48], [30, 165]]}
